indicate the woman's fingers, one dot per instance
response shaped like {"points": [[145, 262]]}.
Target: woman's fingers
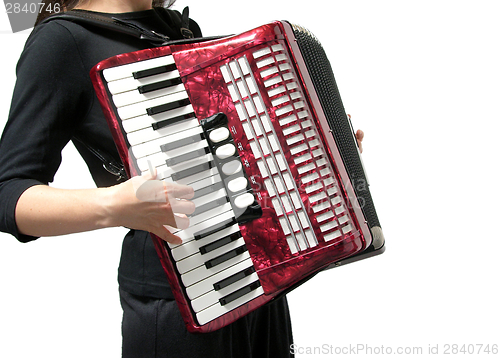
{"points": [[359, 138]]}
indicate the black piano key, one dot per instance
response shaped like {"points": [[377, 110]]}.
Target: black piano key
{"points": [[167, 106], [219, 243], [192, 171], [182, 142], [188, 156], [159, 85], [224, 257], [209, 206], [208, 189], [170, 121], [154, 71], [237, 294], [212, 230], [233, 278]]}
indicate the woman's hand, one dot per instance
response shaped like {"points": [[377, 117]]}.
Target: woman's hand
{"points": [[144, 203]]}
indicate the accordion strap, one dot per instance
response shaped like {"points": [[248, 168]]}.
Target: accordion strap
{"points": [[128, 28]]}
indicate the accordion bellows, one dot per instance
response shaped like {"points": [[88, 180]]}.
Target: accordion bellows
{"points": [[255, 123]]}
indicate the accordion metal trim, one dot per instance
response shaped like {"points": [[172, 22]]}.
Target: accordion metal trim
{"points": [[227, 75]]}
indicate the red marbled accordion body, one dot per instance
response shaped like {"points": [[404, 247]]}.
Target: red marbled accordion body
{"points": [[279, 264]]}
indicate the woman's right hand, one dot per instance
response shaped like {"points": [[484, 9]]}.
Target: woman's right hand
{"points": [[145, 203]]}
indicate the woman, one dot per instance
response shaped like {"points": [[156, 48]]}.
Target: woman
{"points": [[54, 103]]}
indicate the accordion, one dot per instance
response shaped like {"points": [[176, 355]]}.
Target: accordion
{"points": [[255, 124]]}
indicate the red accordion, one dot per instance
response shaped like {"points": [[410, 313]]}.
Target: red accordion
{"points": [[255, 124]]}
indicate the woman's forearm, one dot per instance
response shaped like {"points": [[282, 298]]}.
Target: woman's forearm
{"points": [[140, 203], [45, 211]]}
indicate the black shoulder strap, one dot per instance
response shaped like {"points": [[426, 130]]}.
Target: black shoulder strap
{"points": [[181, 22]]}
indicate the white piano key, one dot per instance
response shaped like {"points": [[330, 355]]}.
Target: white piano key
{"points": [[203, 183], [311, 238], [217, 310], [244, 66], [269, 187], [130, 83], [207, 284], [297, 202], [286, 204], [188, 234], [200, 218], [195, 261], [292, 129], [284, 226], [189, 129], [321, 206], [145, 121], [165, 171], [196, 177], [248, 130], [302, 158], [277, 48], [201, 274], [273, 81], [280, 100], [212, 297], [205, 199], [269, 71], [295, 139], [131, 97], [283, 110], [242, 88], [261, 52], [346, 229], [265, 62], [292, 245], [250, 107], [306, 168], [277, 206], [184, 250], [281, 162], [328, 226], [332, 235], [317, 197], [343, 219], [301, 241], [299, 148], [123, 71], [225, 73], [276, 91], [139, 109], [313, 187], [233, 66], [288, 181], [309, 178], [325, 216]]}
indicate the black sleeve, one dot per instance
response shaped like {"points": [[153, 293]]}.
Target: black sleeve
{"points": [[50, 99]]}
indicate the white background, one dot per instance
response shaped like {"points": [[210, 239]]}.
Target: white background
{"points": [[422, 79]]}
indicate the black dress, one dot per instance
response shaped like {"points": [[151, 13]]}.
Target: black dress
{"points": [[54, 103]]}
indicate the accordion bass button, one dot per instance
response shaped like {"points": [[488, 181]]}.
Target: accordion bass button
{"points": [[219, 134], [225, 151], [232, 167], [243, 201], [237, 184]]}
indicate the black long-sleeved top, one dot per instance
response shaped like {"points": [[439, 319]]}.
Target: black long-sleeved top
{"points": [[53, 103]]}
